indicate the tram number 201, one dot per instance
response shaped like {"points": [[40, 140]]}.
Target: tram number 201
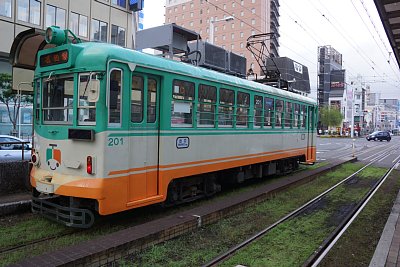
{"points": [[115, 141]]}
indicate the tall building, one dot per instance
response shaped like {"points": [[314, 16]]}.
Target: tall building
{"points": [[91, 20], [249, 17]]}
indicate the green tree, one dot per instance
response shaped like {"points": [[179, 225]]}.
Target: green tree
{"points": [[331, 116], [10, 98]]}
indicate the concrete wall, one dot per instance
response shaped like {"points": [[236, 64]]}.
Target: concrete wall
{"points": [[14, 177]]}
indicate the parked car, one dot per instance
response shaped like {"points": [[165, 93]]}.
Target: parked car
{"points": [[9, 152], [379, 135]]}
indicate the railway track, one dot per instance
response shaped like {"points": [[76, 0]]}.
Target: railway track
{"points": [[328, 243]]}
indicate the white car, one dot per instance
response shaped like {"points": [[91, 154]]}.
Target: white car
{"points": [[12, 152]]}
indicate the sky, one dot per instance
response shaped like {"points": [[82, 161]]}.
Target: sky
{"points": [[351, 27]]}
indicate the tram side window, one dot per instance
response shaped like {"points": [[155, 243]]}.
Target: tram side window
{"points": [[268, 111], [226, 107], [86, 109], [58, 99], [258, 111], [303, 116], [288, 114], [115, 96], [296, 115], [182, 104], [137, 98], [206, 107], [243, 104], [279, 113], [151, 100]]}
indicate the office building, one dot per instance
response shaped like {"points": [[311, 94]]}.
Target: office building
{"points": [[91, 20]]}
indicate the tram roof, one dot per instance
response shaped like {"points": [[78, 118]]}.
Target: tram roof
{"points": [[96, 55]]}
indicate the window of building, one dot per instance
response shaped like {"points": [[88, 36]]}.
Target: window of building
{"points": [[242, 2], [253, 21], [5, 8], [258, 111], [191, 14], [223, 37], [242, 13], [253, 32], [243, 104], [232, 47], [215, 28], [182, 103], [137, 99], [183, 16], [78, 24], [268, 111], [99, 30], [191, 24], [169, 10], [118, 35], [233, 25], [253, 1], [191, 5], [233, 36], [226, 107], [121, 3], [241, 34], [241, 24], [175, 9], [183, 7], [55, 16], [223, 46], [206, 107], [223, 27], [233, 4], [253, 10], [29, 11], [224, 6], [241, 45]]}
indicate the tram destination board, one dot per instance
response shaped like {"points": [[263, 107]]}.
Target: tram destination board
{"points": [[55, 58]]}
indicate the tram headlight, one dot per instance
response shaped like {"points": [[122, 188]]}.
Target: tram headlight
{"points": [[54, 35]]}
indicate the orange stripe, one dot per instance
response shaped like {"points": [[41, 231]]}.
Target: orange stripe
{"points": [[199, 162]]}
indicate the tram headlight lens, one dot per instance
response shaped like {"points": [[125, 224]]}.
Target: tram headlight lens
{"points": [[54, 35]]}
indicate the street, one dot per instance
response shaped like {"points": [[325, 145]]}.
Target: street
{"points": [[366, 151]]}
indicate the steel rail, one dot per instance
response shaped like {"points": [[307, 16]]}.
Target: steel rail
{"points": [[292, 214], [320, 254]]}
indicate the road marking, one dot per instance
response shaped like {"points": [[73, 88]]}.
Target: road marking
{"points": [[396, 159], [384, 157]]}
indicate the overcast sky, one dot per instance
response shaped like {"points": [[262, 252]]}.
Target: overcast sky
{"points": [[352, 27]]}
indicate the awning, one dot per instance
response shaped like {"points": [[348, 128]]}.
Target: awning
{"points": [[389, 11], [25, 47], [23, 56]]}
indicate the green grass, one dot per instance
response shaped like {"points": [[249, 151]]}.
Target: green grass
{"points": [[263, 214], [196, 248]]}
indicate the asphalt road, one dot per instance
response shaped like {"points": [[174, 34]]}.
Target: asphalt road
{"points": [[387, 153]]}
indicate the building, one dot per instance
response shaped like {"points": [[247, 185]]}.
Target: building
{"points": [[331, 77], [91, 20], [214, 17]]}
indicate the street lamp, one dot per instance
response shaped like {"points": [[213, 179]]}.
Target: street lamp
{"points": [[212, 21]]}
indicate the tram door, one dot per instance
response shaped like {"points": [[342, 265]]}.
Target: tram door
{"points": [[310, 133], [144, 136]]}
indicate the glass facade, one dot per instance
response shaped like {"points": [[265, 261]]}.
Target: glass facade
{"points": [[99, 30], [29, 11], [121, 3], [5, 8], [117, 35], [78, 24], [55, 16]]}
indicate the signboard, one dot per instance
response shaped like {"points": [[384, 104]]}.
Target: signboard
{"points": [[136, 5]]}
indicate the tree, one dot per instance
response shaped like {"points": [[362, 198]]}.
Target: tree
{"points": [[331, 116], [10, 98]]}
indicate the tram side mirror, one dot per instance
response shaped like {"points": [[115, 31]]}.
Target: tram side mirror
{"points": [[94, 90]]}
